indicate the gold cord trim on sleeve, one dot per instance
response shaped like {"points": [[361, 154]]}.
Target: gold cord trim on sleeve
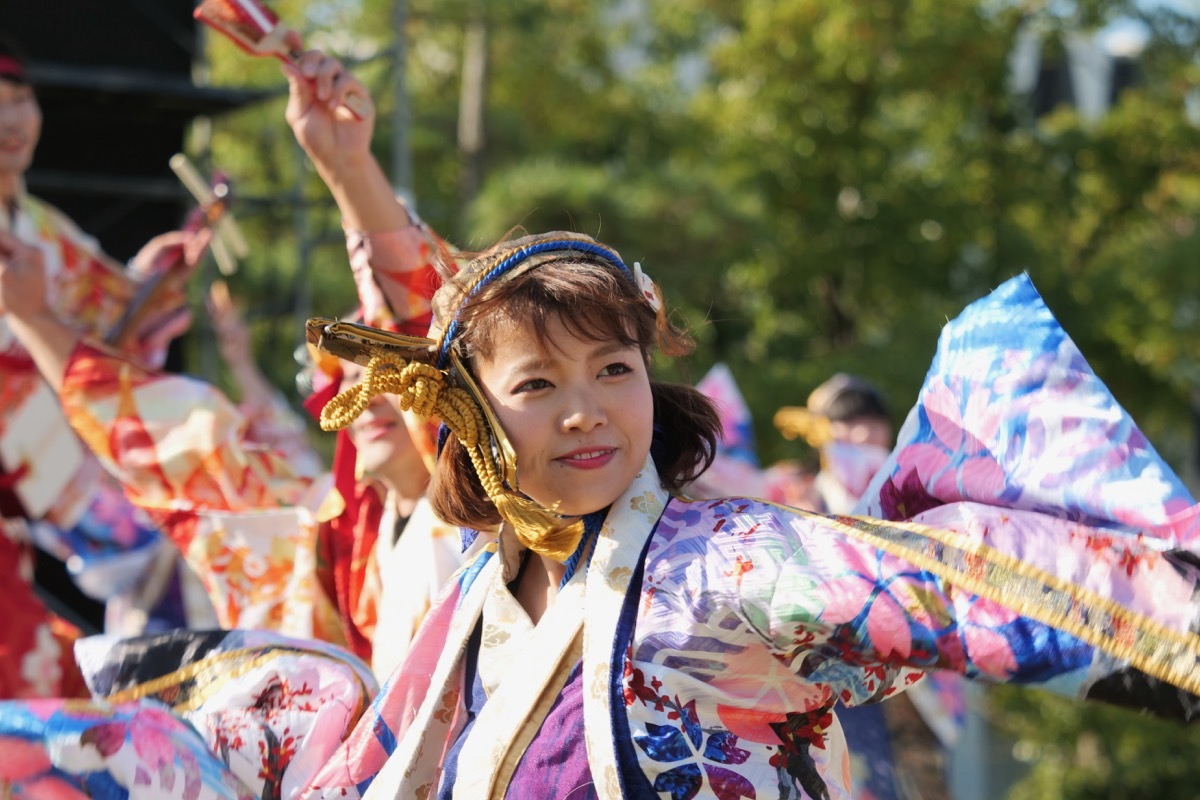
{"points": [[1169, 655], [210, 673]]}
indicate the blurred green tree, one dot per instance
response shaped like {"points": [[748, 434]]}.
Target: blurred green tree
{"points": [[818, 187]]}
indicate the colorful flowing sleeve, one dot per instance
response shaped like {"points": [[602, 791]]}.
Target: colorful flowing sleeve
{"points": [[396, 276], [247, 526], [855, 606], [88, 288], [204, 715], [175, 443], [1011, 416], [272, 424], [1023, 530], [78, 749]]}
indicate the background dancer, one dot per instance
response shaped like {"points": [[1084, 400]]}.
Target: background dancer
{"points": [[51, 491]]}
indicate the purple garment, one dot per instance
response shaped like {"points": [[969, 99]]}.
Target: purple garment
{"points": [[555, 763], [868, 740]]}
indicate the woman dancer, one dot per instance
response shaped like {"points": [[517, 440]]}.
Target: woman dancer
{"points": [[620, 641]]}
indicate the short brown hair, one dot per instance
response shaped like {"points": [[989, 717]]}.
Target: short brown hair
{"points": [[597, 303]]}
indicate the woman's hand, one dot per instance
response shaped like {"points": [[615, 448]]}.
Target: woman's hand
{"points": [[22, 279], [335, 138], [339, 142], [31, 319], [170, 249], [233, 338]]}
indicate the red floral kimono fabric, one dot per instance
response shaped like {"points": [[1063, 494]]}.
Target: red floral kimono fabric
{"points": [[36, 658]]}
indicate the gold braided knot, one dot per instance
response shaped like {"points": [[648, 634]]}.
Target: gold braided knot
{"points": [[416, 385], [424, 389]]}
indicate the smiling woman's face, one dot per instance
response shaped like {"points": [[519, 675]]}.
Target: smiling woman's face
{"points": [[20, 127], [578, 413]]}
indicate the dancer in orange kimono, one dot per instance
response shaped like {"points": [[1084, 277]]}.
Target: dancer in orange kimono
{"points": [[276, 548]]}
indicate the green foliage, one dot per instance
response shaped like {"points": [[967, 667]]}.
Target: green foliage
{"points": [[1086, 751], [817, 186]]}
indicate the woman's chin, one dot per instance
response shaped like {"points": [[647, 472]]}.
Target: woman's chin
{"points": [[575, 511]]}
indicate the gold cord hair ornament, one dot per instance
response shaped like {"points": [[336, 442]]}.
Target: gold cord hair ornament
{"points": [[399, 365]]}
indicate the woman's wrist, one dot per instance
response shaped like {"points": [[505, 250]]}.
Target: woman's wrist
{"points": [[34, 318], [48, 339], [367, 200], [341, 167]]}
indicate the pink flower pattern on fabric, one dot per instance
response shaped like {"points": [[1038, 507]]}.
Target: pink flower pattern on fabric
{"points": [[957, 455]]}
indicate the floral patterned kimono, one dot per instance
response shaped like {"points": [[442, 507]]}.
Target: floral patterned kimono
{"points": [[245, 713], [47, 475], [701, 651], [189, 715]]}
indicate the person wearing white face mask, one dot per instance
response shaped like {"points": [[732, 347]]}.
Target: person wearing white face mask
{"points": [[847, 420]]}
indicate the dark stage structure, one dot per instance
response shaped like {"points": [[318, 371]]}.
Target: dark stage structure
{"points": [[114, 80]]}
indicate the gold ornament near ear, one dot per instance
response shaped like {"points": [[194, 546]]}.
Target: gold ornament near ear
{"points": [[403, 366], [797, 422]]}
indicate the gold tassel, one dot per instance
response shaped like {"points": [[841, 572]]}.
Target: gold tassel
{"points": [[425, 390], [543, 533]]}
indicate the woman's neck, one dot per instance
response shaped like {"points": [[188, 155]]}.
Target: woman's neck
{"points": [[406, 483], [403, 504], [10, 186], [538, 585]]}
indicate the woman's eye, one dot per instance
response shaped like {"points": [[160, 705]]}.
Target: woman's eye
{"points": [[532, 385], [616, 369]]}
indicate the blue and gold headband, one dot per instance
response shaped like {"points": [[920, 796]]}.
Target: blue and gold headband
{"points": [[515, 258], [428, 376]]}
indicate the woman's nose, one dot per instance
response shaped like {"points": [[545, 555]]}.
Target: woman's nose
{"points": [[583, 413]]}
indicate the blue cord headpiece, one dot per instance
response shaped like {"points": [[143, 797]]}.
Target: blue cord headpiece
{"points": [[518, 257]]}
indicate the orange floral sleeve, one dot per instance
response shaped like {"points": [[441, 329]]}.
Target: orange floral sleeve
{"points": [[245, 523]]}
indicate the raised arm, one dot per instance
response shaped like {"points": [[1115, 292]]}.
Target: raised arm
{"points": [[24, 302], [270, 421], [172, 441], [392, 253], [339, 143]]}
